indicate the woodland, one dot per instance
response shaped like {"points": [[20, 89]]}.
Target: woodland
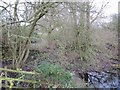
{"points": [[57, 44]]}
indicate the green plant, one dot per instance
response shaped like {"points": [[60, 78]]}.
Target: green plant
{"points": [[54, 74]]}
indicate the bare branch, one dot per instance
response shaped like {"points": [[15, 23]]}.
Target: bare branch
{"points": [[15, 10], [99, 12], [11, 23]]}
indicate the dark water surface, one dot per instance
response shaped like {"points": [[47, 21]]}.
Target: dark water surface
{"points": [[104, 80]]}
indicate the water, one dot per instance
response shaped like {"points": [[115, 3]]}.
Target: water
{"points": [[104, 80]]}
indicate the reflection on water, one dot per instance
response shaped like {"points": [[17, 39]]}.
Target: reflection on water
{"points": [[104, 80]]}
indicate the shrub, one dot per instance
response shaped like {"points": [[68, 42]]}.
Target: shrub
{"points": [[54, 74]]}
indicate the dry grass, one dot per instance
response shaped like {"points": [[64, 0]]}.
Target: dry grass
{"points": [[100, 39]]}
